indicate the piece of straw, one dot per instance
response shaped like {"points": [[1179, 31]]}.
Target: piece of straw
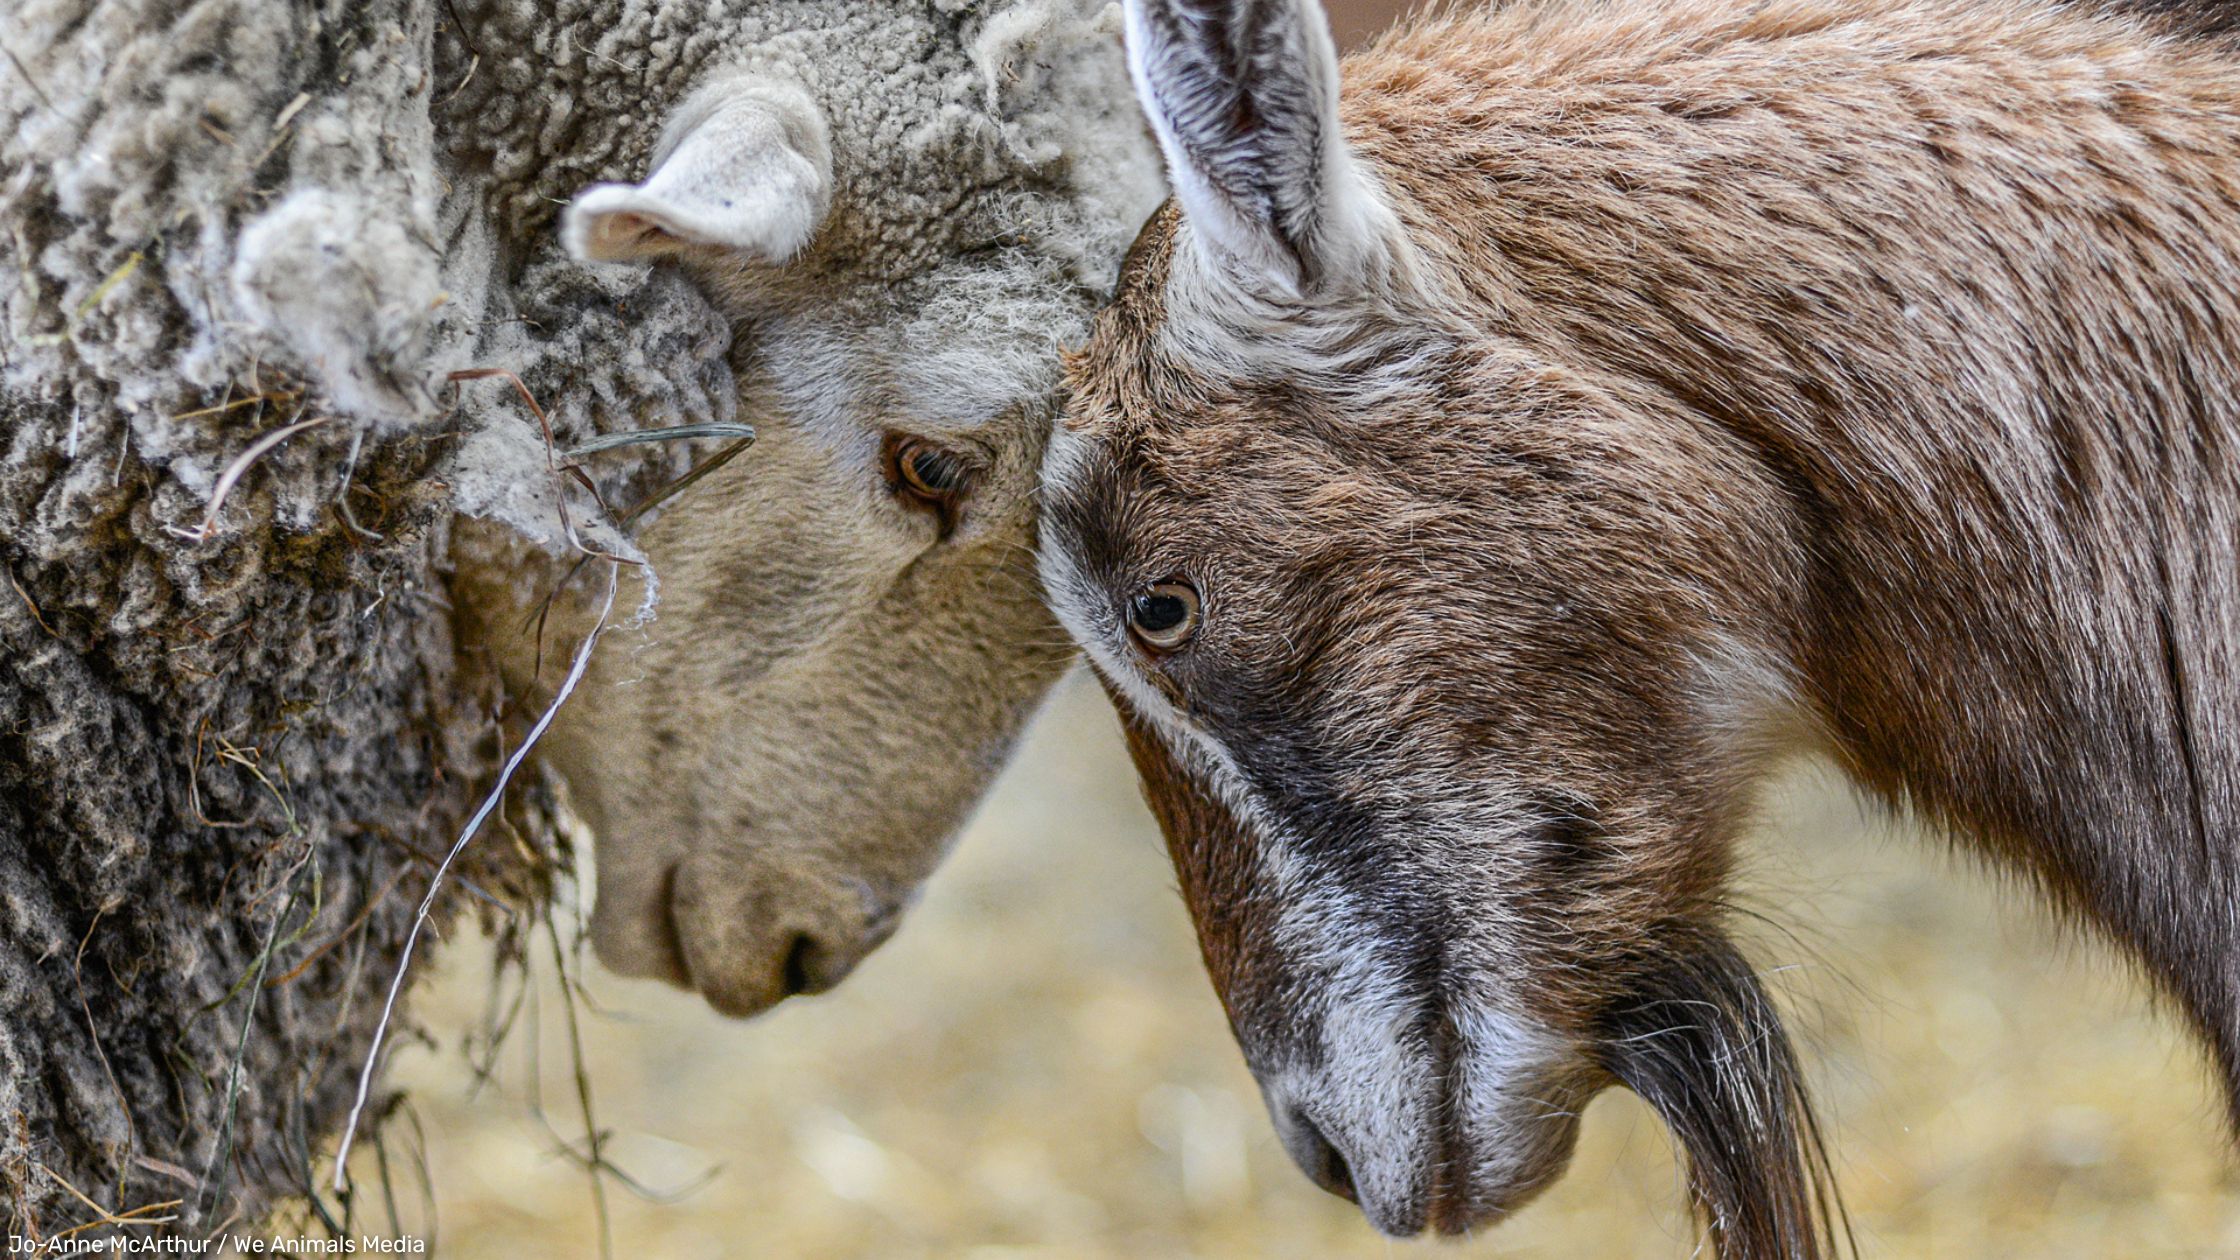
{"points": [[435, 883]]}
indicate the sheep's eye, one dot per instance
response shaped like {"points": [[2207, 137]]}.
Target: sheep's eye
{"points": [[928, 474], [1164, 615], [928, 471]]}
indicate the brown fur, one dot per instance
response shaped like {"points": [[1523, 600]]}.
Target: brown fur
{"points": [[1857, 374]]}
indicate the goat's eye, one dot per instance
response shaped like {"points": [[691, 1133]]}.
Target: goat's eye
{"points": [[929, 475], [1164, 615]]}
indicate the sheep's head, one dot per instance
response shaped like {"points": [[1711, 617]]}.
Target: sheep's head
{"points": [[850, 629]]}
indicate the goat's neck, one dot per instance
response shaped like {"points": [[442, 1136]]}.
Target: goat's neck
{"points": [[2021, 615], [1982, 328]]}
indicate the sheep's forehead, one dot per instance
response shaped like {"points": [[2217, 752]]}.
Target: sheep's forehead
{"points": [[965, 351]]}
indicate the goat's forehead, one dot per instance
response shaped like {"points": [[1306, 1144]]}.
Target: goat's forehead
{"points": [[1087, 497], [1127, 367], [1214, 491], [1169, 445]]}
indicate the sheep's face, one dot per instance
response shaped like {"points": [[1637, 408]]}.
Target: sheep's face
{"points": [[850, 630], [850, 634]]}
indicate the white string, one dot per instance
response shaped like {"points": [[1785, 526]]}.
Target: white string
{"points": [[427, 903]]}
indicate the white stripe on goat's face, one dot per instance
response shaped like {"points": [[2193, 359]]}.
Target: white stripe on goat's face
{"points": [[1420, 648]]}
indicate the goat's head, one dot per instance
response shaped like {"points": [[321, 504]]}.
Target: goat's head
{"points": [[1439, 661], [850, 629]]}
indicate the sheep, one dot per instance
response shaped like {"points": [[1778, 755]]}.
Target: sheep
{"points": [[301, 396]]}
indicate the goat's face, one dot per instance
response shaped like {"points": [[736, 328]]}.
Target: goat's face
{"points": [[1433, 660], [850, 629]]}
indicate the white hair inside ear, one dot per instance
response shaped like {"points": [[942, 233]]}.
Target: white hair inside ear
{"points": [[1243, 96], [745, 166]]}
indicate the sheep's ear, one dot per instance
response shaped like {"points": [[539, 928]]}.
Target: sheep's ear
{"points": [[745, 166], [1243, 95]]}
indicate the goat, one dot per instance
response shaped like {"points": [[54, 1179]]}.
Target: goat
{"points": [[1487, 473]]}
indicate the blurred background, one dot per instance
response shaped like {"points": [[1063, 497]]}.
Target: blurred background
{"points": [[1036, 1067]]}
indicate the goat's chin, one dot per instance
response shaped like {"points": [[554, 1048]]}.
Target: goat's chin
{"points": [[1699, 1040], [1504, 1179], [1479, 1191]]}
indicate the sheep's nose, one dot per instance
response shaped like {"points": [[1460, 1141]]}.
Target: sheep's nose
{"points": [[813, 964], [749, 937], [746, 973]]}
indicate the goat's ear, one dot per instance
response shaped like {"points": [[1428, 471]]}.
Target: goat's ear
{"points": [[744, 167], [1243, 95]]}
